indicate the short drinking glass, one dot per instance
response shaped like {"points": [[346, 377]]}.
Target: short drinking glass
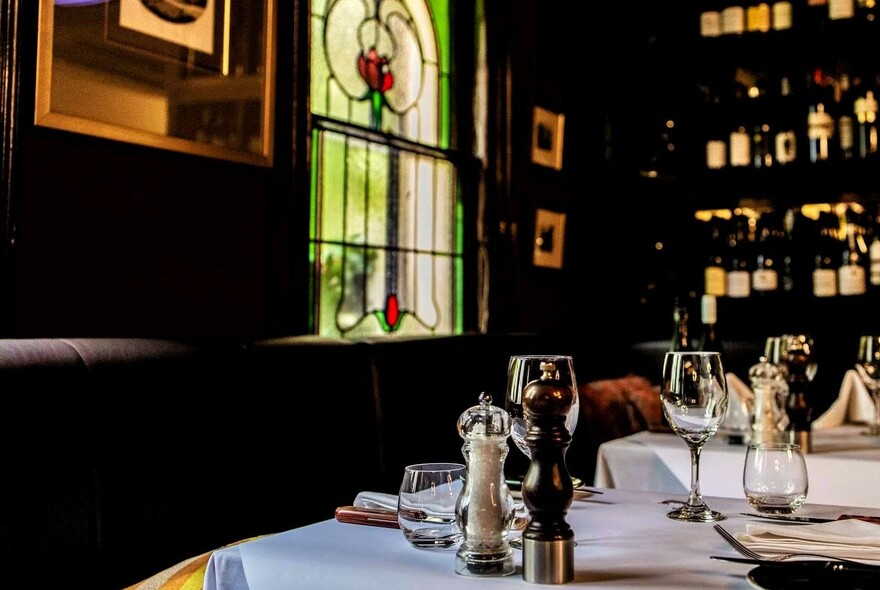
{"points": [[426, 504], [775, 477]]}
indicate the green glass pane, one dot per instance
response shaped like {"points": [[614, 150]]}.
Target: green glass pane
{"points": [[356, 191], [377, 199], [331, 192], [330, 288]]}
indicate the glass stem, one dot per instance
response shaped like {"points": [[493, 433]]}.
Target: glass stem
{"points": [[695, 499]]}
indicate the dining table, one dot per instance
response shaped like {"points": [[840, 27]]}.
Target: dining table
{"points": [[623, 540], [843, 466]]}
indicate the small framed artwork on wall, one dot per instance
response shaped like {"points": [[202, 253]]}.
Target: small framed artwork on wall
{"points": [[549, 238], [547, 134]]}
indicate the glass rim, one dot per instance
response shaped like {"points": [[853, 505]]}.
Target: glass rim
{"points": [[693, 353], [435, 467], [540, 356], [775, 446]]}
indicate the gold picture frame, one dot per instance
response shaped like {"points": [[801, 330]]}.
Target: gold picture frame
{"points": [[549, 242], [129, 81], [547, 137]]}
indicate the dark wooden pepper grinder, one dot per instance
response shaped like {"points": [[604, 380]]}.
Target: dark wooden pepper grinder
{"points": [[548, 541], [799, 406]]}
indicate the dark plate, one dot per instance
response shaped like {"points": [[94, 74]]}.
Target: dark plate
{"points": [[798, 577]]}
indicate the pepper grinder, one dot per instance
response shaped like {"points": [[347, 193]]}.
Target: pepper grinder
{"points": [[798, 405], [548, 541], [485, 508]]}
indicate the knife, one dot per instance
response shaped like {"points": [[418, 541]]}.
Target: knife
{"points": [[815, 519], [813, 563], [788, 518]]}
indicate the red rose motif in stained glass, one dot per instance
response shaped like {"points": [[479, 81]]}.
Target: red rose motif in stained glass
{"points": [[373, 68]]}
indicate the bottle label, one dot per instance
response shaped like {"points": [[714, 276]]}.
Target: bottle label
{"points": [[716, 154], [733, 20], [874, 254], [824, 282], [851, 279], [738, 284], [786, 150], [758, 18], [710, 23], [841, 9], [845, 133], [739, 148], [715, 281], [764, 279], [781, 16]]}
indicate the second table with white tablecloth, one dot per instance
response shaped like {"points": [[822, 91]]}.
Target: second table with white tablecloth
{"points": [[844, 467]]}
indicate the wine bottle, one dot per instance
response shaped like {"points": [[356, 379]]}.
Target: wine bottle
{"points": [[681, 340], [866, 118], [820, 130], [851, 272], [739, 280], [827, 250], [715, 273], [710, 339], [765, 273], [844, 109]]}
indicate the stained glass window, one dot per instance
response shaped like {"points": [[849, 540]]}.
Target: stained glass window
{"points": [[386, 217]]}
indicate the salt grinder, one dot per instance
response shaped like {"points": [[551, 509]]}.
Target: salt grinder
{"points": [[548, 541], [485, 508]]}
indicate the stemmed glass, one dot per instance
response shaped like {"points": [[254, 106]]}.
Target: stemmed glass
{"points": [[694, 399], [522, 370], [868, 368]]}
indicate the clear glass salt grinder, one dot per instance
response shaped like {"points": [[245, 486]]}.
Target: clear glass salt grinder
{"points": [[769, 419], [485, 509]]}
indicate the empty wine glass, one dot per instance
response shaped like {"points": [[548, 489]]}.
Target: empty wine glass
{"points": [[868, 368], [694, 398], [522, 370]]}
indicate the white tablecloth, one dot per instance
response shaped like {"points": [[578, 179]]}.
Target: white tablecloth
{"points": [[624, 540], [844, 467]]}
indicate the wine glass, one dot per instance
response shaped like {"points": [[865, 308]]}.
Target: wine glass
{"points": [[522, 370], [694, 398], [868, 368]]}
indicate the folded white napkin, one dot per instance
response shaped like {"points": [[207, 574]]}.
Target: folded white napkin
{"points": [[853, 403], [376, 500], [740, 400], [850, 538]]}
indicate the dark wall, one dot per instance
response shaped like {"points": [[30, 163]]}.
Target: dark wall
{"points": [[113, 239]]}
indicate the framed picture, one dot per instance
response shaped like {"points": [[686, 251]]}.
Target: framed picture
{"points": [[189, 33], [547, 135], [549, 238], [195, 77]]}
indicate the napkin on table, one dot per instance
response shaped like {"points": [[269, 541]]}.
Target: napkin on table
{"points": [[850, 538], [853, 404], [376, 500], [739, 405]]}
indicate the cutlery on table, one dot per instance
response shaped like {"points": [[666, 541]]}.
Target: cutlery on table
{"points": [[745, 551], [831, 564], [813, 519]]}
